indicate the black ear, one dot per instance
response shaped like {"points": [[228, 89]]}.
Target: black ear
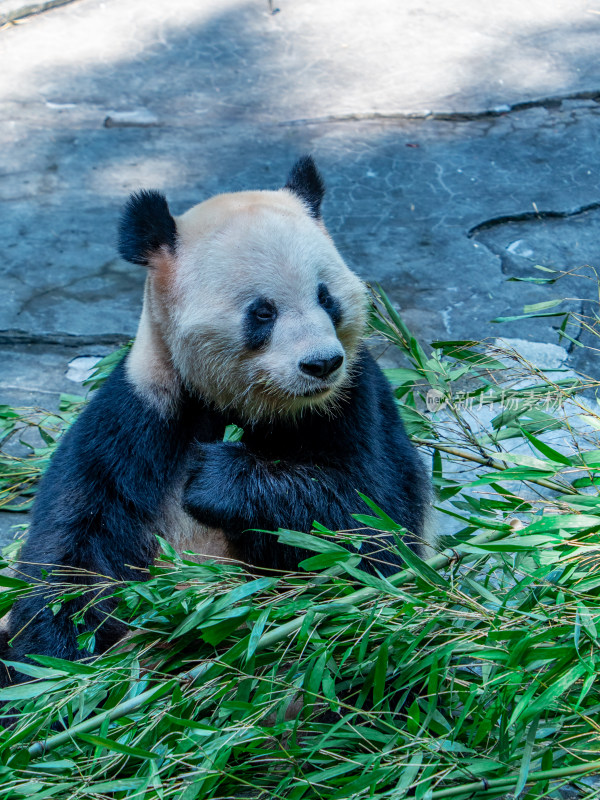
{"points": [[304, 180], [146, 225]]}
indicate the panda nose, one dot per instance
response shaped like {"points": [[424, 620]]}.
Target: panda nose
{"points": [[321, 367]]}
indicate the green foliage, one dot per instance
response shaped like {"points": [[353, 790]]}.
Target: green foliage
{"points": [[19, 474], [233, 433], [105, 366], [471, 675]]}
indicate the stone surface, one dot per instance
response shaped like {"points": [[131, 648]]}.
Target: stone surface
{"points": [[458, 142], [33, 376], [137, 118], [545, 356]]}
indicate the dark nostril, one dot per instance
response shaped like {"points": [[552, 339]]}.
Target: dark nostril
{"points": [[321, 367]]}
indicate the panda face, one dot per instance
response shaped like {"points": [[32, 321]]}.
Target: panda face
{"points": [[247, 301], [264, 317]]}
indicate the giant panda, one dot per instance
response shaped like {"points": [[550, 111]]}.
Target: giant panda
{"points": [[250, 316]]}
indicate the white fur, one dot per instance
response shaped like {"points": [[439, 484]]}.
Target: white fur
{"points": [[232, 249]]}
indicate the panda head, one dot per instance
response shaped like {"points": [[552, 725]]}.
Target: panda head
{"points": [[247, 298]]}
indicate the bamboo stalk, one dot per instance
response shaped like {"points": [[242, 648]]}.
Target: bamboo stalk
{"points": [[267, 640], [437, 562], [487, 785], [120, 710], [491, 462]]}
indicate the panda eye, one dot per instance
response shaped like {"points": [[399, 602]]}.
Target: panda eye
{"points": [[265, 312], [323, 296], [326, 300], [259, 323]]}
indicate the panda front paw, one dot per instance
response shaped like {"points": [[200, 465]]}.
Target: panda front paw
{"points": [[209, 456], [214, 491]]}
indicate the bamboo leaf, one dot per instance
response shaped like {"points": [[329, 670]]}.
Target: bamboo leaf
{"points": [[117, 747], [542, 306], [526, 760], [546, 450]]}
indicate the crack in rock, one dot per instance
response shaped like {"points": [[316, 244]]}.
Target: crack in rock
{"points": [[550, 101], [526, 216], [564, 240], [63, 339]]}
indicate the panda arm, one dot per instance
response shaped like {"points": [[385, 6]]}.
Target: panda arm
{"points": [[322, 468], [231, 488], [92, 519]]}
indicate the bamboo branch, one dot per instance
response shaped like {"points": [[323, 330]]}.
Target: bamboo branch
{"points": [[493, 784], [437, 562], [491, 462], [39, 748]]}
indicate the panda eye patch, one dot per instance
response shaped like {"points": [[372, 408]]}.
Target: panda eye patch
{"points": [[260, 319], [329, 304], [325, 299]]}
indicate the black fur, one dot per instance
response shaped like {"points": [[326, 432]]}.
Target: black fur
{"points": [[259, 323], [287, 476], [106, 484], [146, 225], [305, 181]]}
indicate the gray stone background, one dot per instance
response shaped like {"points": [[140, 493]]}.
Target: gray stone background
{"points": [[458, 141]]}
